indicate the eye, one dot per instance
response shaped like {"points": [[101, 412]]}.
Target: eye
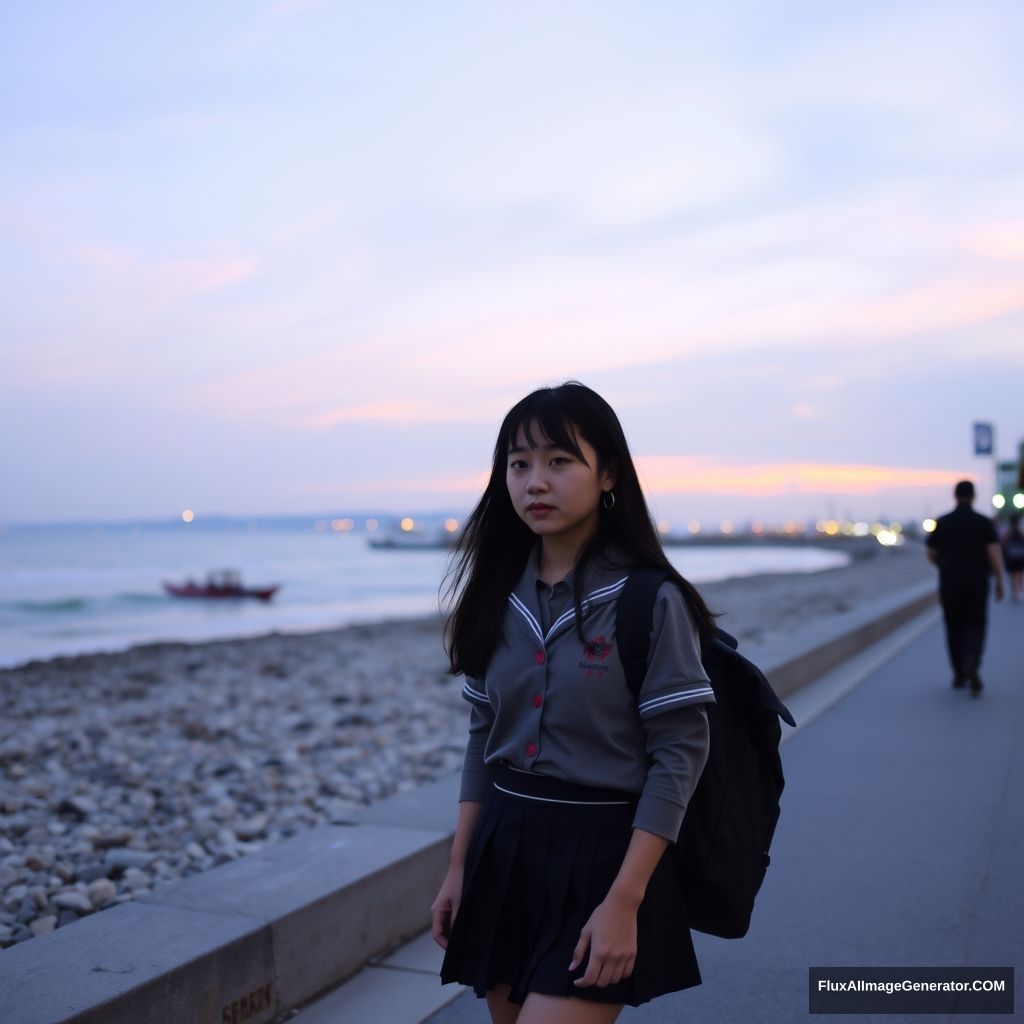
{"points": [[517, 464], [560, 460]]}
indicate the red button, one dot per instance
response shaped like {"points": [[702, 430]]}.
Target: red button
{"points": [[531, 749], [540, 658], [537, 700]]}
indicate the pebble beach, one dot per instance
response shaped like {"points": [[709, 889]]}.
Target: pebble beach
{"points": [[122, 772]]}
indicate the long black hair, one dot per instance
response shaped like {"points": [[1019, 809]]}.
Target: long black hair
{"points": [[495, 543]]}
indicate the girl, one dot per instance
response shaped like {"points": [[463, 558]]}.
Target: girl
{"points": [[1013, 557], [561, 903]]}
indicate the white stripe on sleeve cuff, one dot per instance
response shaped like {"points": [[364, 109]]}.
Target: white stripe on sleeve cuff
{"points": [[477, 696], [700, 695]]}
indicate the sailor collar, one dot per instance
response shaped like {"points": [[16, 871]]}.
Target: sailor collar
{"points": [[604, 579]]}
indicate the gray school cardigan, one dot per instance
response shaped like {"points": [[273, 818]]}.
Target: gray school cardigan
{"points": [[550, 706]]}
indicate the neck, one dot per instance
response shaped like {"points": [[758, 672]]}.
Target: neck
{"points": [[557, 557]]}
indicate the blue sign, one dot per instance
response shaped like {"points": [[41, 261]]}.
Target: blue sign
{"points": [[983, 438]]}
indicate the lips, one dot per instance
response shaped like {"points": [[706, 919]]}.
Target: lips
{"points": [[539, 506]]}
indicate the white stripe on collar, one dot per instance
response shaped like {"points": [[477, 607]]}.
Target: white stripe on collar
{"points": [[528, 615], [567, 616]]}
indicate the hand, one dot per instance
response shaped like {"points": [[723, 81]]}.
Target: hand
{"points": [[999, 590], [445, 907], [610, 932]]}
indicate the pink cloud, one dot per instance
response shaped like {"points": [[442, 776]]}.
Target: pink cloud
{"points": [[680, 474]]}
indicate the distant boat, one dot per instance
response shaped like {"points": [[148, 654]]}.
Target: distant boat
{"points": [[422, 540], [227, 584]]}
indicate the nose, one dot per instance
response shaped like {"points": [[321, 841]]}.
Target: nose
{"points": [[537, 483]]}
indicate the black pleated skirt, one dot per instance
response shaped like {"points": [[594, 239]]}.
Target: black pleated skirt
{"points": [[536, 867]]}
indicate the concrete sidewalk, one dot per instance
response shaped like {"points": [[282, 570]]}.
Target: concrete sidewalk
{"points": [[901, 841]]}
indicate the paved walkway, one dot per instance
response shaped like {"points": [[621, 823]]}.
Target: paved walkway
{"points": [[901, 841]]}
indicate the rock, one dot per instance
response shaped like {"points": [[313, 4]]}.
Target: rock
{"points": [[42, 925], [6, 936], [73, 899], [89, 873], [136, 879], [115, 837], [14, 895], [64, 870], [119, 860], [143, 804], [251, 828], [226, 808], [17, 824], [78, 806], [39, 860], [67, 917], [101, 890], [205, 828], [10, 875]]}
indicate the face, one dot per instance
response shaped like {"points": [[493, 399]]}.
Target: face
{"points": [[555, 492]]}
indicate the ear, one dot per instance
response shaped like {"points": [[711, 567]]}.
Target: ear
{"points": [[609, 476]]}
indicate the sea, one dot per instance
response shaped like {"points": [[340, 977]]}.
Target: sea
{"points": [[89, 587]]}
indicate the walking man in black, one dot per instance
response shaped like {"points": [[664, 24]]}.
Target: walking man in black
{"points": [[965, 547]]}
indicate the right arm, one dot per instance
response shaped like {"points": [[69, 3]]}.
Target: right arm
{"points": [[476, 781], [445, 907]]}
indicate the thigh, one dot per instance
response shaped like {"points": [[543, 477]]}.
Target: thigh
{"points": [[544, 1009], [501, 1010]]}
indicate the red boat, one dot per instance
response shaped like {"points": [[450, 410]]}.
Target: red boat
{"points": [[227, 584]]}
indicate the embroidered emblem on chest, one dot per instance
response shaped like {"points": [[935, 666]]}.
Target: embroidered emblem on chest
{"points": [[595, 655]]}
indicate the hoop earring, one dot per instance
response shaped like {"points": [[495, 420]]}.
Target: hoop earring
{"points": [[608, 500]]}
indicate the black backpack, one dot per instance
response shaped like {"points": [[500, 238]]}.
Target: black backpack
{"points": [[722, 850]]}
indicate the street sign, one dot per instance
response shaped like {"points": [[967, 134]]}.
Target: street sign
{"points": [[983, 439]]}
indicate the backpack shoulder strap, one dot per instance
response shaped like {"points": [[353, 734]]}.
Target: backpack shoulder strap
{"points": [[633, 622]]}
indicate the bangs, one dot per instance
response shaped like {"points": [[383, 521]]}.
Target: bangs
{"points": [[544, 412]]}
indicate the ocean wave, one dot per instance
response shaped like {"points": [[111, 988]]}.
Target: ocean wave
{"points": [[81, 604], [140, 598], [61, 604]]}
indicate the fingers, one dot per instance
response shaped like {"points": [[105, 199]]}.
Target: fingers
{"points": [[442, 917], [603, 973], [440, 927], [603, 968], [580, 951]]}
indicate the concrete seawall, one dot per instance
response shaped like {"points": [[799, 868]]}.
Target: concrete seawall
{"points": [[245, 942]]}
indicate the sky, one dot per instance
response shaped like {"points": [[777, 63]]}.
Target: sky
{"points": [[302, 256]]}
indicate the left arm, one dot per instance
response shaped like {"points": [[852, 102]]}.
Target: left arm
{"points": [[676, 737], [677, 748], [611, 928]]}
